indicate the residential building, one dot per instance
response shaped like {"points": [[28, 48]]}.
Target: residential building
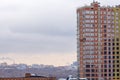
{"points": [[98, 42], [29, 76]]}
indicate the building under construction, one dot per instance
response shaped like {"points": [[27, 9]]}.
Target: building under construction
{"points": [[98, 42]]}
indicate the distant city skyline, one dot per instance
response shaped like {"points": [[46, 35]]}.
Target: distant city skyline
{"points": [[41, 31]]}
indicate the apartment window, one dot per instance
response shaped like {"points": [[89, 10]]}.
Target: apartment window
{"points": [[87, 66], [105, 66], [113, 74], [105, 52], [113, 57], [87, 75], [117, 39], [117, 44], [105, 35], [105, 40], [113, 52], [118, 66], [93, 70], [109, 66], [117, 57], [117, 52], [117, 48], [93, 75], [105, 74], [117, 70], [117, 61], [104, 26], [118, 74], [113, 70], [105, 61], [109, 44], [105, 57], [87, 70], [105, 31], [93, 79], [109, 70], [113, 44], [105, 48], [92, 65], [113, 61], [109, 74], [113, 48], [105, 44], [109, 52]]}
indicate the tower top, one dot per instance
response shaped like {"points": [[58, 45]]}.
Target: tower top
{"points": [[95, 3]]}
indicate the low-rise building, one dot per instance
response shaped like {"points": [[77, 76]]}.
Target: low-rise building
{"points": [[28, 76]]}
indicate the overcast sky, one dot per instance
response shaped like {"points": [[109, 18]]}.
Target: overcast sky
{"points": [[40, 31]]}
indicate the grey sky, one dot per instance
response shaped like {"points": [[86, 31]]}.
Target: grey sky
{"points": [[40, 26], [36, 26]]}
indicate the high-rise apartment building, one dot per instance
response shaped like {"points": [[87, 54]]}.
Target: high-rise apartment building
{"points": [[98, 42]]}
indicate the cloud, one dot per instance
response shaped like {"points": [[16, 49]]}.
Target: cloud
{"points": [[37, 27]]}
